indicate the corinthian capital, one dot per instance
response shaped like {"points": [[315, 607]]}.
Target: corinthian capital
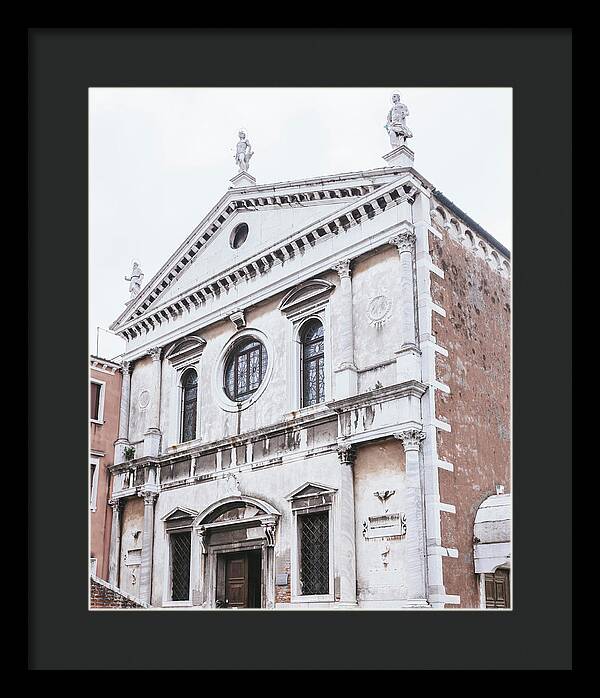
{"points": [[125, 367], [411, 438], [404, 241], [155, 353], [115, 504], [342, 268], [346, 453], [149, 497]]}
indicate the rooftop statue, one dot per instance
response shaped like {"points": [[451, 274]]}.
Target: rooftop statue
{"points": [[243, 152], [135, 281], [396, 126]]}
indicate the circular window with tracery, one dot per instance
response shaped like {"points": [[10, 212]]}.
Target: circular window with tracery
{"points": [[245, 369], [239, 235]]}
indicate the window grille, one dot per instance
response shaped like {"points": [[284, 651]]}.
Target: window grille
{"points": [[314, 553], [180, 565]]}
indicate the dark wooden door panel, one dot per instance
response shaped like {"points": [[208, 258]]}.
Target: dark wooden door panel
{"points": [[236, 581], [497, 589]]}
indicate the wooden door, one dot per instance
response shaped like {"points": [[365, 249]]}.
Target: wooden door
{"points": [[497, 589], [236, 581]]}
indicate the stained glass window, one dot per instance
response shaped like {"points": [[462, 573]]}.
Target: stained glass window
{"points": [[245, 369], [189, 404], [314, 553], [313, 363]]}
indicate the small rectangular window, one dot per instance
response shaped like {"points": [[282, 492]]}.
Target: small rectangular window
{"points": [[181, 546], [314, 553], [92, 473], [95, 389]]}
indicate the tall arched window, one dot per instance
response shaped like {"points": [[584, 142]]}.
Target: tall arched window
{"points": [[313, 363], [189, 404]]}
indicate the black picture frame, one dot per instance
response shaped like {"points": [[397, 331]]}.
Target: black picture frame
{"points": [[63, 64]]}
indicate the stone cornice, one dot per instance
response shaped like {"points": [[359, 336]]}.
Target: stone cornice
{"points": [[270, 432], [411, 388], [142, 319], [104, 365]]}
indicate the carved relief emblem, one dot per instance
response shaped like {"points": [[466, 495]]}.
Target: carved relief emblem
{"points": [[379, 310], [144, 399]]}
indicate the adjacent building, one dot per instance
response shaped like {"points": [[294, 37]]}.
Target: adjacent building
{"points": [[315, 403], [105, 395]]}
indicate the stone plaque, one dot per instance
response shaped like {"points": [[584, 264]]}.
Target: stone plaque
{"points": [[281, 580], [385, 526]]}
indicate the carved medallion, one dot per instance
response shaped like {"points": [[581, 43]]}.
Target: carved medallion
{"points": [[144, 399], [379, 310]]}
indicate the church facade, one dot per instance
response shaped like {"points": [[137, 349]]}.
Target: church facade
{"points": [[315, 403]]}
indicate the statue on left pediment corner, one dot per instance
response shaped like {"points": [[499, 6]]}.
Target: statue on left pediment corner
{"points": [[135, 281]]}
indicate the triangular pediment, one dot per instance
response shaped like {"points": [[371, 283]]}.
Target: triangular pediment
{"points": [[272, 212], [310, 489], [179, 513]]}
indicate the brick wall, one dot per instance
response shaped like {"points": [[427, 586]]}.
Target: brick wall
{"points": [[476, 333], [104, 595]]}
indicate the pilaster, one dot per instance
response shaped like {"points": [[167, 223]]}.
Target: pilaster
{"points": [[115, 542], [152, 435], [411, 440], [346, 373], [408, 356], [346, 543], [147, 544]]}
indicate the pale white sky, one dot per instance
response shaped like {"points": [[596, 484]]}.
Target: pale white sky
{"points": [[160, 158]]}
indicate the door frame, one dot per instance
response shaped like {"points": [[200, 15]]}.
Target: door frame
{"points": [[267, 571]]}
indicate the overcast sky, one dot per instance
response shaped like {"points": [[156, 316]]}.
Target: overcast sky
{"points": [[161, 158]]}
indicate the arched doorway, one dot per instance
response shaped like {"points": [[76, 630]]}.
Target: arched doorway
{"points": [[237, 541]]}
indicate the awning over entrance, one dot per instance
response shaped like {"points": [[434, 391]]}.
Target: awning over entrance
{"points": [[492, 533]]}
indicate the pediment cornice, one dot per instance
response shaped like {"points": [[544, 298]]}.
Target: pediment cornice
{"points": [[147, 314]]}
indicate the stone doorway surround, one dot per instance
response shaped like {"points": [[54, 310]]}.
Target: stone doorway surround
{"points": [[236, 523]]}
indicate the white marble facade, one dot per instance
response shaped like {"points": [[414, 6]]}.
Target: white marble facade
{"points": [[350, 251]]}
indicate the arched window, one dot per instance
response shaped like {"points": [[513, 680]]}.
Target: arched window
{"points": [[189, 404], [245, 369], [313, 363]]}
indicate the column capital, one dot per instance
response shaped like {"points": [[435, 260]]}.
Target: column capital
{"points": [[346, 453], [126, 367], [411, 438], [149, 496], [404, 241], [155, 353], [116, 504], [343, 268]]}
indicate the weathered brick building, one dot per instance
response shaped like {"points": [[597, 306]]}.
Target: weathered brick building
{"points": [[105, 395], [315, 406]]}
